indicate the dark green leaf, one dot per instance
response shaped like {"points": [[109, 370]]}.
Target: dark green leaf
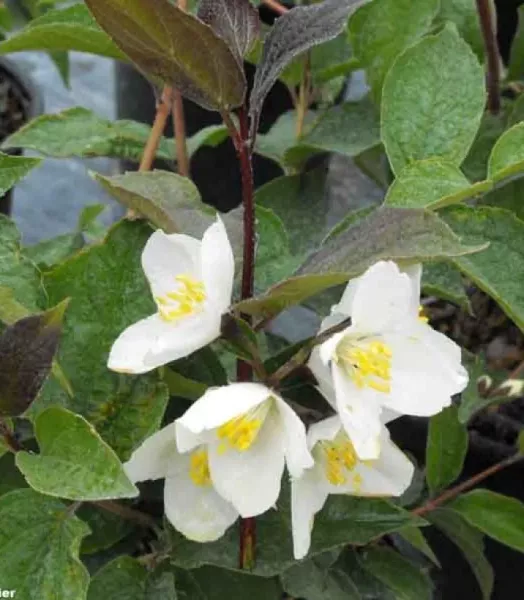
{"points": [[27, 349], [475, 165], [74, 462], [498, 516], [10, 477], [122, 579], [407, 581], [516, 61], [48, 253], [72, 28], [235, 21], [446, 449], [444, 281], [507, 156], [418, 119], [39, 541], [13, 169], [106, 528], [489, 269], [508, 195], [470, 542], [381, 30], [183, 387], [295, 32], [415, 537], [161, 38]]}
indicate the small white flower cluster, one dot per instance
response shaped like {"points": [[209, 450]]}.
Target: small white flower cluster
{"points": [[226, 455]]}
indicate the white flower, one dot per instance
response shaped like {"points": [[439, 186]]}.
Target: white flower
{"points": [[191, 502], [388, 359], [192, 283], [338, 470], [250, 434]]}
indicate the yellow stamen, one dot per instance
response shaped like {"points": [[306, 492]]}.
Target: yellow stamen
{"points": [[241, 432], [340, 457], [185, 301], [368, 364], [422, 315], [199, 468]]}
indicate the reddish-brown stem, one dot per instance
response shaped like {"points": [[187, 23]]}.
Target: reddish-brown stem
{"points": [[9, 438], [163, 110], [487, 26], [467, 485], [276, 6]]}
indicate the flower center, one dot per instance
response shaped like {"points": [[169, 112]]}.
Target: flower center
{"points": [[185, 301], [241, 432], [422, 315], [340, 459], [199, 468], [367, 364]]}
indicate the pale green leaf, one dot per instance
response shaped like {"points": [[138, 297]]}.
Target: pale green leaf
{"points": [[443, 280], [13, 169], [507, 156], [465, 16]]}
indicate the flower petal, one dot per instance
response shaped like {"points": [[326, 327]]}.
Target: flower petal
{"points": [[308, 496], [221, 404], [153, 342], [382, 299], [296, 450], [322, 374], [414, 272], [198, 512], [251, 479], [218, 266], [166, 256], [359, 411], [345, 306], [327, 429], [155, 457]]}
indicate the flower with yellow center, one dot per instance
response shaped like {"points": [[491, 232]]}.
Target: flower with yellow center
{"points": [[191, 282], [191, 502], [338, 470], [250, 435], [389, 361]]}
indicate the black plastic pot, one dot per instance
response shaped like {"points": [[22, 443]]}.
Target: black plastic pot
{"points": [[22, 103]]}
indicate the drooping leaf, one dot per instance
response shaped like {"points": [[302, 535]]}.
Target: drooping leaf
{"points": [[418, 120], [407, 581], [516, 60], [399, 234], [465, 16], [383, 29], [498, 516], [39, 542], [121, 579], [507, 156], [160, 38], [443, 280], [446, 449], [489, 269], [470, 542], [235, 21], [74, 462], [348, 129], [344, 520], [13, 169], [108, 293], [27, 349], [432, 183], [295, 32], [71, 28]]}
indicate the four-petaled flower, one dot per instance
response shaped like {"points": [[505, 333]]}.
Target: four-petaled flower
{"points": [[192, 283], [338, 470], [250, 433], [191, 503], [389, 358]]}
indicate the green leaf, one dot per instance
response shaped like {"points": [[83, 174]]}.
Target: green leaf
{"points": [[432, 183], [27, 349], [475, 165], [383, 29], [348, 129], [161, 40], [80, 132], [507, 156], [295, 32], [10, 477], [13, 169], [465, 16], [106, 528], [498, 516], [48, 253], [508, 195], [409, 235], [406, 580], [211, 583], [444, 281], [74, 462], [183, 387], [415, 537], [516, 60], [489, 269], [17, 272], [470, 542], [203, 366], [122, 579], [39, 541], [124, 410], [344, 520], [446, 449], [66, 29], [319, 578], [418, 120]]}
